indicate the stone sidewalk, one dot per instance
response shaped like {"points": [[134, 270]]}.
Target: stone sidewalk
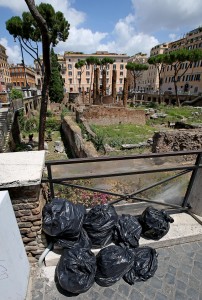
{"points": [[178, 277]]}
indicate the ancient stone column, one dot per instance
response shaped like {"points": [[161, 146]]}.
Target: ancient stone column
{"points": [[104, 82], [114, 76], [97, 82], [125, 92]]}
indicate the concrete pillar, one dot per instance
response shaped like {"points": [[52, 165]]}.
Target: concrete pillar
{"points": [[194, 193]]}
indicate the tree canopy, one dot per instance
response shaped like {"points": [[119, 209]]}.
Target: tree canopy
{"points": [[41, 24], [136, 70], [56, 89]]}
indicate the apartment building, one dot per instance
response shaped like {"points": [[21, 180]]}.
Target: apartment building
{"points": [[140, 83], [152, 80], [5, 77], [73, 76], [22, 76], [191, 81]]}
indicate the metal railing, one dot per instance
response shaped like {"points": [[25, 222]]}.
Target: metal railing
{"points": [[181, 170]]}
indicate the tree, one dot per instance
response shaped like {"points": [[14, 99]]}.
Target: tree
{"points": [[176, 59], [93, 62], [80, 65], [157, 61], [105, 62], [41, 24], [56, 89], [15, 94], [136, 70]]}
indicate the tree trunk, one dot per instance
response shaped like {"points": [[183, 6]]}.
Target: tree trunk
{"points": [[97, 82], [91, 81], [176, 94], [114, 76], [104, 83], [160, 83], [125, 92], [46, 61]]}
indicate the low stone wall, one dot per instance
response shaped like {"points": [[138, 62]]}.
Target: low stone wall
{"points": [[73, 137], [27, 204], [177, 140], [103, 115]]}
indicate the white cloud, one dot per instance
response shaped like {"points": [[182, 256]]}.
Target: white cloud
{"points": [[17, 6], [83, 40], [13, 52], [154, 15]]}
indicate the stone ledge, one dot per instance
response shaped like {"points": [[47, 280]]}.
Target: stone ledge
{"points": [[21, 168], [185, 229]]}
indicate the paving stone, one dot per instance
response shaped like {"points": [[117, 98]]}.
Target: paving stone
{"points": [[181, 285], [156, 283], [194, 294], [160, 296], [172, 270], [178, 277], [179, 295], [124, 289], [135, 294], [108, 293]]}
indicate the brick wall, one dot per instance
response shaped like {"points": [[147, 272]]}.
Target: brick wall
{"points": [[27, 204], [102, 115]]}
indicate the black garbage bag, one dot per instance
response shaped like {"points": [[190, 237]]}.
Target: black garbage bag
{"points": [[155, 223], [99, 224], [63, 219], [83, 241], [112, 263], [76, 270], [127, 231], [144, 267]]}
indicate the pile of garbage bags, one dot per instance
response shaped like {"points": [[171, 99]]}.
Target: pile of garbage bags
{"points": [[77, 231]]}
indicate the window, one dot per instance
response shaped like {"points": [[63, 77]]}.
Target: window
{"points": [[121, 80], [114, 67], [121, 73], [69, 67], [121, 67], [70, 73], [87, 73], [78, 73], [70, 80], [88, 80], [69, 59], [87, 67]]}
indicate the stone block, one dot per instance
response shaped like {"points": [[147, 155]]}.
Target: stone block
{"points": [[24, 224], [31, 218]]}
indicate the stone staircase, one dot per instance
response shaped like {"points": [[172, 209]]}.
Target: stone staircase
{"points": [[5, 127]]}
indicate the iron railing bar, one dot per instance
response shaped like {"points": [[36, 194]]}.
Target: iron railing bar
{"points": [[192, 179], [115, 174], [159, 182], [156, 202], [148, 201], [91, 189], [116, 158], [195, 217], [50, 181], [122, 195]]}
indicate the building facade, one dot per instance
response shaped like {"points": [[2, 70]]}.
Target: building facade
{"points": [[75, 78], [191, 81], [5, 77], [23, 77]]}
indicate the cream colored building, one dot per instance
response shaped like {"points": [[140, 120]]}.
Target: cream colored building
{"points": [[141, 81], [191, 81], [4, 69], [72, 75], [152, 80]]}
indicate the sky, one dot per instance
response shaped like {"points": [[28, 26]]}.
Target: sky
{"points": [[118, 26]]}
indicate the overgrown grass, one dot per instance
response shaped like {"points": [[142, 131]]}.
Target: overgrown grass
{"points": [[174, 113], [116, 135]]}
